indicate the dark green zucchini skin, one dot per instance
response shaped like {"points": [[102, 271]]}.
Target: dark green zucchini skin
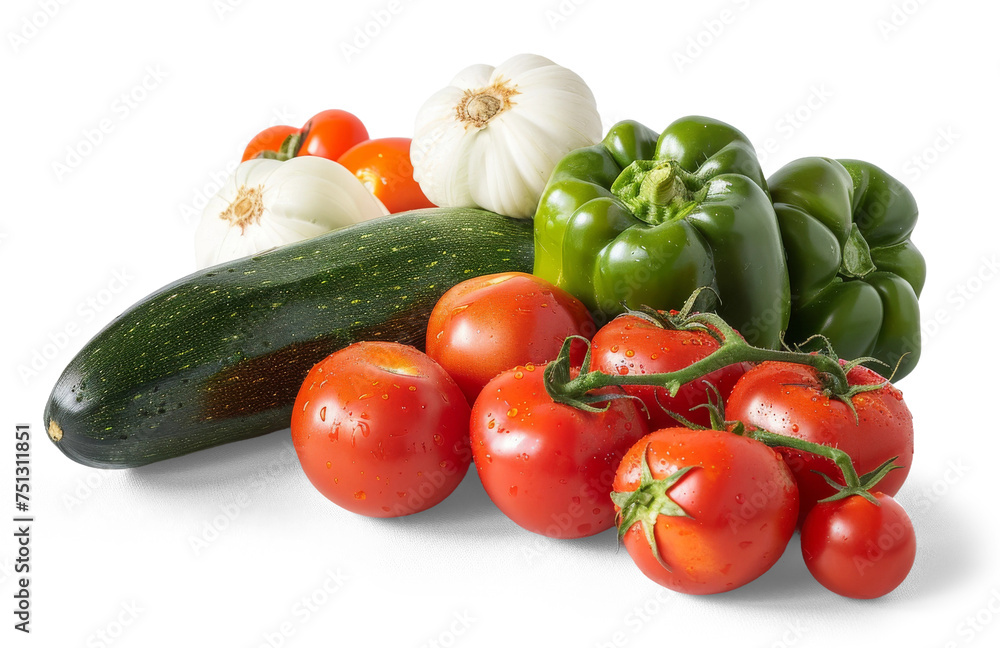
{"points": [[219, 355]]}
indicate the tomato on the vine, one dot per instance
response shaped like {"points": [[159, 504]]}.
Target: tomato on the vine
{"points": [[859, 549], [488, 324], [331, 133], [792, 399], [269, 139], [381, 430], [546, 465], [724, 507], [383, 165], [637, 344]]}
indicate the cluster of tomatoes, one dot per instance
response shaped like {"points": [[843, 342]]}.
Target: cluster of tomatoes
{"points": [[383, 429], [382, 165]]}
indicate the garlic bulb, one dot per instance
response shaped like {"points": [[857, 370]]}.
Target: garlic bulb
{"points": [[492, 137], [268, 203]]}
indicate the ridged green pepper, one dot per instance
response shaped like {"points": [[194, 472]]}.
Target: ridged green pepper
{"points": [[855, 275], [644, 220]]}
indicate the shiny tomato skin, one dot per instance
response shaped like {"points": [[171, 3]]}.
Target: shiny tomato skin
{"points": [[789, 399], [491, 323], [381, 430], [546, 465], [741, 499], [857, 549], [269, 139], [383, 165], [331, 133], [630, 344]]}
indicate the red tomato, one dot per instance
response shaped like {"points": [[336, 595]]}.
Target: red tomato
{"points": [[383, 165], [857, 549], [381, 430], [790, 399], [491, 323], [741, 505], [269, 139], [549, 466], [330, 133], [630, 344]]}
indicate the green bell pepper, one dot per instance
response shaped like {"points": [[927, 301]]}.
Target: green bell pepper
{"points": [[645, 220], [855, 275]]}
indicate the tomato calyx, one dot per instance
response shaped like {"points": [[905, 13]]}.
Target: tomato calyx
{"points": [[558, 372], [679, 320], [647, 503], [289, 149]]}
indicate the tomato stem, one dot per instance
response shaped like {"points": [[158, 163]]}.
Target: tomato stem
{"points": [[733, 349], [853, 484]]}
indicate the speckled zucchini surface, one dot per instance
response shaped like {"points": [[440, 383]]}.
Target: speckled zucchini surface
{"points": [[219, 355]]}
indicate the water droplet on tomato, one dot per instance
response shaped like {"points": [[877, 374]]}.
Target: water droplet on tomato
{"points": [[529, 367], [584, 528], [329, 465], [322, 414], [513, 491], [622, 371], [614, 348], [795, 427], [512, 412], [438, 439], [360, 495], [518, 375], [629, 353], [576, 500]]}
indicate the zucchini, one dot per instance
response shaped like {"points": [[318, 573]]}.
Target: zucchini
{"points": [[219, 355]]}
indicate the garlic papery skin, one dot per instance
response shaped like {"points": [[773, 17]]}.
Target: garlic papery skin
{"points": [[492, 137], [270, 203]]}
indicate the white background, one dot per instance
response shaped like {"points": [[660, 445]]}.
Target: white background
{"points": [[910, 86]]}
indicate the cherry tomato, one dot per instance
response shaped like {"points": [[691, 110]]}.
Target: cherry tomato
{"points": [[791, 399], [383, 165], [737, 509], [330, 133], [546, 465], [381, 430], [488, 324], [269, 139], [857, 549], [631, 344]]}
